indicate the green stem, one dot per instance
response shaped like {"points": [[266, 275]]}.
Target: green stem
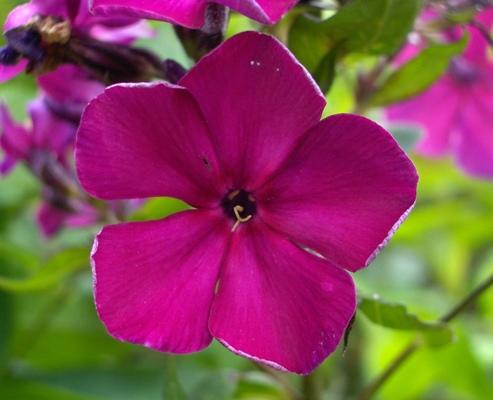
{"points": [[289, 391], [468, 300], [406, 353], [311, 387]]}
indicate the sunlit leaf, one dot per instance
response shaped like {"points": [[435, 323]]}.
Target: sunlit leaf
{"points": [[258, 387], [396, 316], [374, 27], [417, 74], [157, 208], [53, 271]]}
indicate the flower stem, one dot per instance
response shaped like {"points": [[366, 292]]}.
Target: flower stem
{"points": [[289, 391], [405, 354], [311, 387], [469, 299]]}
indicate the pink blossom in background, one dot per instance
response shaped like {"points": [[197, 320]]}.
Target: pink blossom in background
{"points": [[68, 89], [52, 219], [456, 112], [112, 29], [190, 13], [47, 140], [240, 140], [46, 136]]}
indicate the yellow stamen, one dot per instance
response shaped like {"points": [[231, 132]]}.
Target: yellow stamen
{"points": [[232, 195], [239, 219]]}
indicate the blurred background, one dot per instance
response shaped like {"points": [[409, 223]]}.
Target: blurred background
{"points": [[53, 346]]}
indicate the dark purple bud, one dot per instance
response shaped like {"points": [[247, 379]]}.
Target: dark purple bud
{"points": [[112, 62], [26, 41], [173, 71], [198, 42], [58, 199], [9, 56], [216, 18]]}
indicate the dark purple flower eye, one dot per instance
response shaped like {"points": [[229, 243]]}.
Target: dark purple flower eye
{"points": [[26, 41], [239, 205]]}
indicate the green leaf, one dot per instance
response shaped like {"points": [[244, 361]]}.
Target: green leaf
{"points": [[374, 27], [53, 271], [157, 208], [396, 316], [259, 387], [325, 72], [6, 322], [417, 74]]}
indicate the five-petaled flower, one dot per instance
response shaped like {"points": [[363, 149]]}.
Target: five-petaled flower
{"points": [[462, 104], [283, 204], [190, 13]]}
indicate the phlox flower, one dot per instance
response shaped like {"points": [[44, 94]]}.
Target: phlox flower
{"points": [[43, 145], [45, 136], [455, 112], [190, 13], [51, 218], [284, 205]]}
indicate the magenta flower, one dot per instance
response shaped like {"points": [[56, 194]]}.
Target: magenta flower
{"points": [[52, 219], [46, 136], [68, 89], [120, 30], [240, 140], [44, 145], [190, 13], [462, 104]]}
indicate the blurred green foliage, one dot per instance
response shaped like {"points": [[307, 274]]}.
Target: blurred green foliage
{"points": [[53, 347]]}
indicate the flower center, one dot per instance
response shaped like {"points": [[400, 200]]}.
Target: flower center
{"points": [[463, 71], [239, 205]]}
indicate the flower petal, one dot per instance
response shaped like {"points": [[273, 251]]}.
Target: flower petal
{"points": [[257, 100], [125, 34], [14, 137], [50, 219], [8, 72], [154, 281], [80, 91], [437, 125], [50, 132], [278, 304], [477, 48], [189, 13], [265, 11], [20, 15], [474, 145], [146, 140], [343, 192]]}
